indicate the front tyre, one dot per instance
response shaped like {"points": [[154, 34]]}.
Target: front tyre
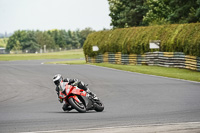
{"points": [[78, 106], [99, 107]]}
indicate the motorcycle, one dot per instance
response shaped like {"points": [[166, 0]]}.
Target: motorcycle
{"points": [[80, 99]]}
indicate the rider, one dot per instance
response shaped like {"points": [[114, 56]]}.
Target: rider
{"points": [[58, 80]]}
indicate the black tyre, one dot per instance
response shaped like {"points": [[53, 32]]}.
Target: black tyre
{"points": [[78, 106], [99, 107]]}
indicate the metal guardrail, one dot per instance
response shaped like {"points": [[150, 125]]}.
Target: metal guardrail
{"points": [[165, 59]]}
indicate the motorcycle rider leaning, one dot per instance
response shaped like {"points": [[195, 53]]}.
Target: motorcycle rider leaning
{"points": [[60, 86]]}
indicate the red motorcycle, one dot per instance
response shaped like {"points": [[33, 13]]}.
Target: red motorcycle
{"points": [[80, 99]]}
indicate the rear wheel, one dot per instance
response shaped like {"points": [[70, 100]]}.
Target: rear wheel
{"points": [[78, 106], [99, 107]]}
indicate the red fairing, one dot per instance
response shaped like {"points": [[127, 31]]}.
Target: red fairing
{"points": [[61, 95], [75, 98], [68, 88], [74, 90], [78, 91]]}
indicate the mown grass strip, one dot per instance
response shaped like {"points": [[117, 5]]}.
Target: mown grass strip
{"points": [[70, 54], [156, 70]]}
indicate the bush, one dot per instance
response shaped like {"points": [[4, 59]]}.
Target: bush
{"points": [[135, 40]]}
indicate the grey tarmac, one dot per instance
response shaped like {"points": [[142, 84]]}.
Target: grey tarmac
{"points": [[28, 101]]}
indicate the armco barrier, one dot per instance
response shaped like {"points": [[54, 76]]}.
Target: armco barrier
{"points": [[105, 57], [118, 58], [133, 59], [198, 63], [165, 59], [111, 58], [125, 59]]}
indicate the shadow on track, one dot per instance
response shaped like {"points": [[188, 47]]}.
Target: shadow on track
{"points": [[72, 112]]}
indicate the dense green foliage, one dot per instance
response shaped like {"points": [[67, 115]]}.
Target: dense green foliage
{"points": [[128, 13], [3, 42], [174, 38], [32, 41]]}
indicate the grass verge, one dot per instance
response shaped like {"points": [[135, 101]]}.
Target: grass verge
{"points": [[156, 70], [70, 54]]}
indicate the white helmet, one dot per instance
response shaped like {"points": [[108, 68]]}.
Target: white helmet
{"points": [[57, 79]]}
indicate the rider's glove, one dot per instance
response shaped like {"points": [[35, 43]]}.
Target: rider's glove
{"points": [[75, 80], [60, 100], [75, 83]]}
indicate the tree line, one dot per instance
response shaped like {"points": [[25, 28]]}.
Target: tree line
{"points": [[33, 41], [129, 13]]}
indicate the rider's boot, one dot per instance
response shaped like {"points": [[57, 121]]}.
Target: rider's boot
{"points": [[66, 107]]}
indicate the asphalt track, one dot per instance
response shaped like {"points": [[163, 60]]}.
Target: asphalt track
{"points": [[28, 101]]}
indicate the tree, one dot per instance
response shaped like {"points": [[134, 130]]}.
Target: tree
{"points": [[35, 40], [30, 43], [198, 10], [184, 11], [158, 12], [73, 39], [17, 46], [62, 38], [127, 13], [43, 38], [55, 35], [83, 35], [15, 40]]}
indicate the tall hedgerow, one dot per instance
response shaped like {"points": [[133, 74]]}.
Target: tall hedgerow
{"points": [[135, 40]]}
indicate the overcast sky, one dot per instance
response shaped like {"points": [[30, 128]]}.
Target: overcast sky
{"points": [[53, 14]]}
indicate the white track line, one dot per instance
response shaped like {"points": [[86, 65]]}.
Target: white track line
{"points": [[43, 63], [151, 128]]}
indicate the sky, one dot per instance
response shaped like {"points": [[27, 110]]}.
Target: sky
{"points": [[53, 14]]}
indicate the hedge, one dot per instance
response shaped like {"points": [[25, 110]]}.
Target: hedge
{"points": [[135, 40]]}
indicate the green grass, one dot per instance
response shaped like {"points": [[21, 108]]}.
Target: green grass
{"points": [[156, 70], [77, 54], [3, 42], [70, 54]]}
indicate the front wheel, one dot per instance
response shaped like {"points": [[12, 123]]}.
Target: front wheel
{"points": [[78, 106], [99, 107]]}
